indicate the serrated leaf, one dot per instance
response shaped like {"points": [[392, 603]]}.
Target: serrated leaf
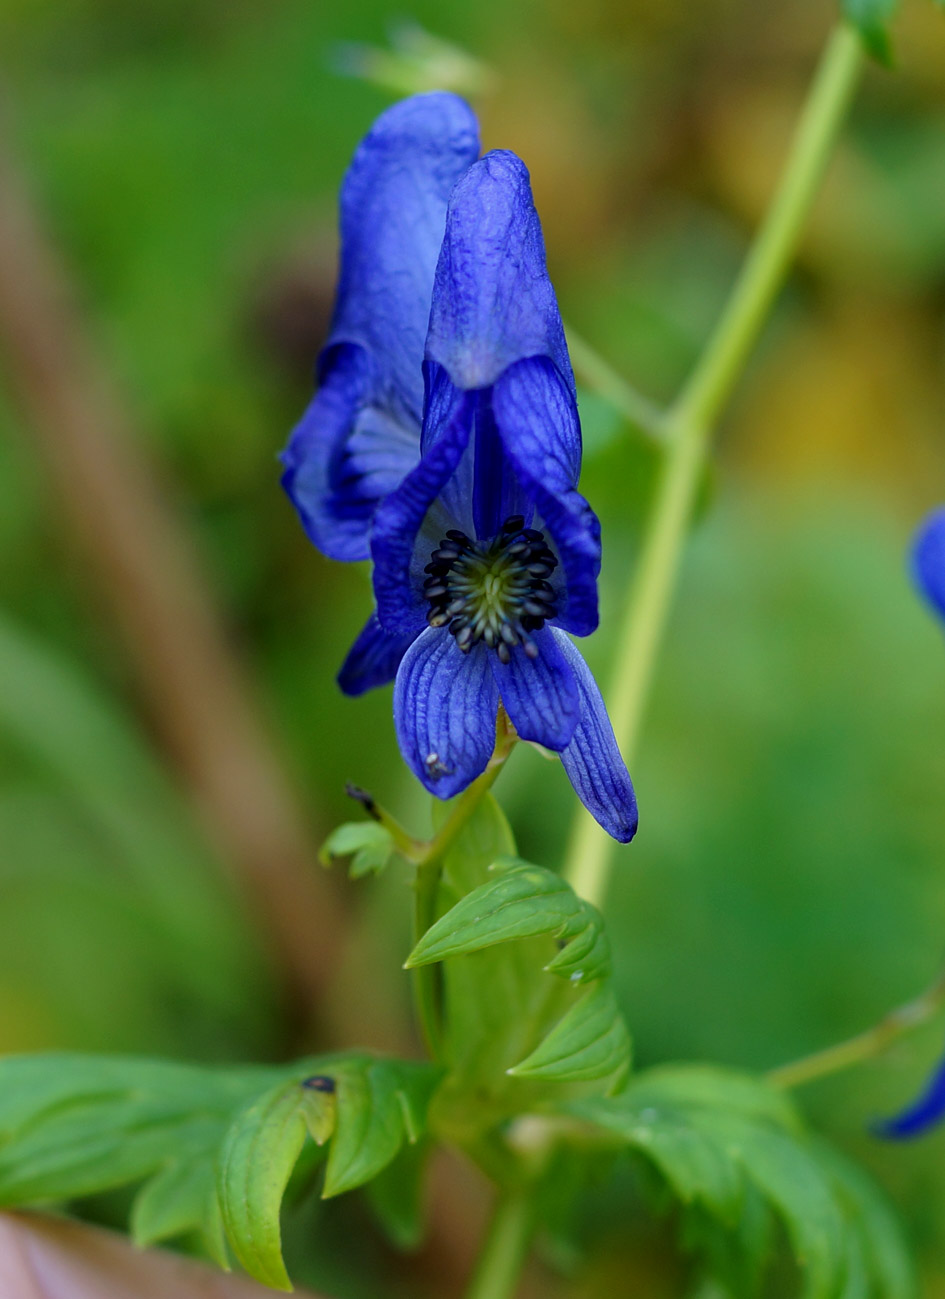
{"points": [[871, 19], [379, 1108], [258, 1155], [367, 843], [557, 1037], [880, 1244], [591, 1041], [733, 1150], [522, 901], [73, 1125], [214, 1148]]}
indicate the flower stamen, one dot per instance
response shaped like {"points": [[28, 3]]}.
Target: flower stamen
{"points": [[495, 591]]}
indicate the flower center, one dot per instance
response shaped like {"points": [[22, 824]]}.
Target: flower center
{"points": [[496, 591]]}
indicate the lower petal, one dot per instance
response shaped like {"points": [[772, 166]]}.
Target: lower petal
{"points": [[373, 659], [592, 759], [540, 694], [445, 705]]}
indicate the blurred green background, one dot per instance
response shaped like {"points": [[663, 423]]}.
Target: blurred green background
{"points": [[787, 885]]}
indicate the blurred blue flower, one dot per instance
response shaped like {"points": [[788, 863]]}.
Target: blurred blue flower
{"points": [[928, 560], [361, 432], [922, 1114], [928, 570], [486, 554]]}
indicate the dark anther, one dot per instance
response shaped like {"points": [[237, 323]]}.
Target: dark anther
{"points": [[319, 1083], [364, 798], [493, 591]]}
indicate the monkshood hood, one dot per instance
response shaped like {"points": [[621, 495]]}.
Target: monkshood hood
{"points": [[361, 431]]}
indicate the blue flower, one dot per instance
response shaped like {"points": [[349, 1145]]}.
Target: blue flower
{"points": [[928, 560], [361, 432], [922, 1114], [928, 571], [486, 555]]}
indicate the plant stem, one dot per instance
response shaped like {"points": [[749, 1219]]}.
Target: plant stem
{"points": [[426, 978], [591, 368], [690, 421], [505, 1248], [899, 1022]]}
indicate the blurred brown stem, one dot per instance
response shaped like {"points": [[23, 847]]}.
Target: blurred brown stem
{"points": [[147, 569]]}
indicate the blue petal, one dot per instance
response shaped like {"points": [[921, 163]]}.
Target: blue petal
{"points": [[928, 560], [316, 441], [445, 705], [536, 416], [403, 535], [393, 214], [373, 659], [355, 444], [540, 695], [592, 759], [493, 303], [922, 1114]]}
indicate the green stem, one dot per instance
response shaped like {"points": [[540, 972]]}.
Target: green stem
{"points": [[426, 978], [690, 421], [505, 1248], [591, 369], [898, 1023]]}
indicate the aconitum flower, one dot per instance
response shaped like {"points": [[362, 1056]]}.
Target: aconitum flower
{"points": [[922, 1114], [361, 432], [928, 571], [486, 555], [928, 560]]}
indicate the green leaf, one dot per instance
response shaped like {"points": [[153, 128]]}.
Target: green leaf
{"points": [[871, 19], [178, 1199], [493, 998], [522, 901], [214, 1148], [875, 1233], [259, 1152], [368, 844], [591, 1041], [715, 1137], [380, 1106]]}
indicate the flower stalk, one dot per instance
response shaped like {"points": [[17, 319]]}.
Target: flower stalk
{"points": [[689, 424], [426, 978], [874, 1041], [505, 1248]]}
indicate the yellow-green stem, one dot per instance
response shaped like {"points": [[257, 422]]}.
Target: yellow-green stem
{"points": [[592, 370], [904, 1019], [689, 425], [505, 1248], [429, 869]]}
